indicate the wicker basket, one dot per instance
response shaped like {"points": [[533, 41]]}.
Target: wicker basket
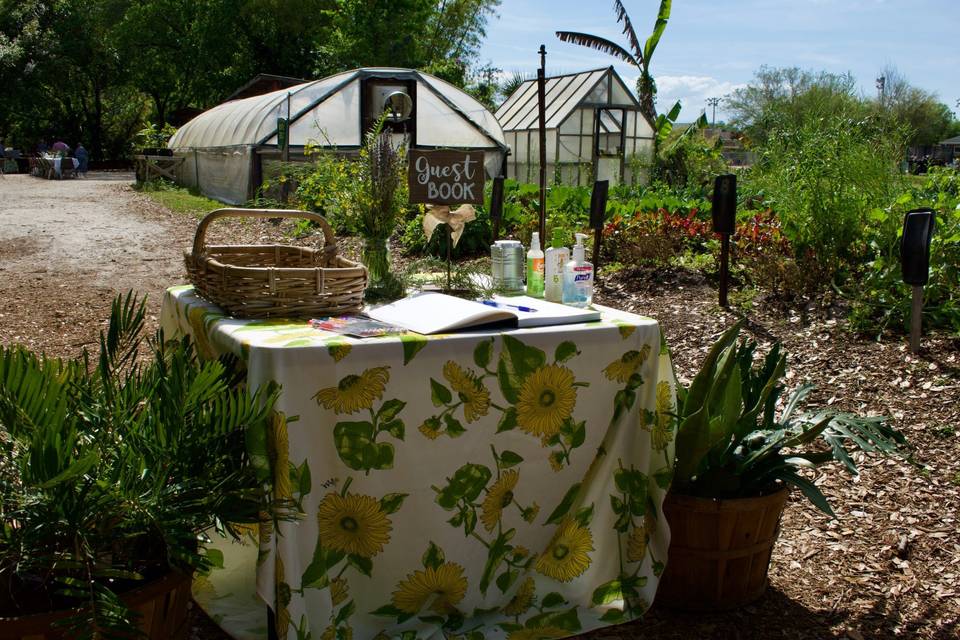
{"points": [[271, 281], [719, 550]]}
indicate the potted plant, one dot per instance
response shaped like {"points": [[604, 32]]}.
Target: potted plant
{"points": [[112, 470], [737, 452]]}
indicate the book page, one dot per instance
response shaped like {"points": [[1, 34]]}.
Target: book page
{"points": [[545, 313], [430, 312]]}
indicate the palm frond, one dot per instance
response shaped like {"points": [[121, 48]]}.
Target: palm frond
{"points": [[628, 29], [598, 43], [662, 17]]}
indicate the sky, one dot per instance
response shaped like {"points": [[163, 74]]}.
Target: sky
{"points": [[712, 47]]}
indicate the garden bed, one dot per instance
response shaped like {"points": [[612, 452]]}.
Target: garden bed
{"points": [[888, 567]]}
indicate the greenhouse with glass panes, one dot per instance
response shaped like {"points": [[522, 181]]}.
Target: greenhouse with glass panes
{"points": [[594, 130]]}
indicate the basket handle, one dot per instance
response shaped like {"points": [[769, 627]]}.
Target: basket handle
{"points": [[199, 240]]}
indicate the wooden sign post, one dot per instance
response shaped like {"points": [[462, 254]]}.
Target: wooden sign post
{"points": [[446, 177], [724, 223], [598, 211]]}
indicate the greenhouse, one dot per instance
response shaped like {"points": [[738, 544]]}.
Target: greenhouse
{"points": [[228, 150], [594, 129]]}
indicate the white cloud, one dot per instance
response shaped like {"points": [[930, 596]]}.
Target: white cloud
{"points": [[692, 92]]}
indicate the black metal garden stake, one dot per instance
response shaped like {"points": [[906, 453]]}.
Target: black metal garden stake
{"points": [[918, 226], [724, 223]]}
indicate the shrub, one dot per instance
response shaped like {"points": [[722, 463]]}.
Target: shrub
{"points": [[657, 237], [823, 177], [763, 256], [692, 162]]}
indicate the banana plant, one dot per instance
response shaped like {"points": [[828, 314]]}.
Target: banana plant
{"points": [[732, 442], [637, 55], [663, 127]]}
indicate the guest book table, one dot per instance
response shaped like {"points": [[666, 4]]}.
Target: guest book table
{"points": [[490, 484]]}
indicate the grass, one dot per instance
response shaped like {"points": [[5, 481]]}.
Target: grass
{"points": [[178, 199]]}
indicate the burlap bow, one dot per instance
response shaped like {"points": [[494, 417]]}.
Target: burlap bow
{"points": [[456, 219]]}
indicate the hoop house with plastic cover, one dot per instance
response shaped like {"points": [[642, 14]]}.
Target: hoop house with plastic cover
{"points": [[593, 129], [230, 148]]}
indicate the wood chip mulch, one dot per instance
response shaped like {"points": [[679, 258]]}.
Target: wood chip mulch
{"points": [[888, 566]]}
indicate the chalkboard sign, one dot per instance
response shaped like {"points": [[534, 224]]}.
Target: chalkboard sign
{"points": [[446, 177]]}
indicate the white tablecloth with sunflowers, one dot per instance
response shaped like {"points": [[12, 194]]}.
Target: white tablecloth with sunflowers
{"points": [[477, 485]]}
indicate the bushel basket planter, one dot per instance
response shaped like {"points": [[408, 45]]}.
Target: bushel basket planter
{"points": [[161, 605], [719, 550], [275, 281]]}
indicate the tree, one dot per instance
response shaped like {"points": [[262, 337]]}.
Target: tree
{"points": [[64, 77], [96, 69], [928, 120], [637, 56], [778, 97], [440, 38]]}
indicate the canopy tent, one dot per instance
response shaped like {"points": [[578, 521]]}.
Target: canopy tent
{"points": [[594, 129], [229, 148]]}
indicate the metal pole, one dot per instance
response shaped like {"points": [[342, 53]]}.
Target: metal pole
{"points": [[541, 108], [916, 318], [724, 267], [285, 154], [449, 243]]}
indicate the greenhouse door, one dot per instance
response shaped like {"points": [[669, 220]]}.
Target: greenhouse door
{"points": [[608, 139], [608, 169]]}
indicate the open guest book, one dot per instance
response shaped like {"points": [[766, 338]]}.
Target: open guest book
{"points": [[430, 312]]}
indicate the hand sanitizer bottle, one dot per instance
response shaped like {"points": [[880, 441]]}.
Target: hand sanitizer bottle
{"points": [[556, 258], [535, 268], [578, 277]]}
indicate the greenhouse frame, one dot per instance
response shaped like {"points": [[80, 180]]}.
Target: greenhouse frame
{"points": [[230, 149], [594, 130]]}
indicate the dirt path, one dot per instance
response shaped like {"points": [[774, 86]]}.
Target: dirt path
{"points": [[68, 246]]}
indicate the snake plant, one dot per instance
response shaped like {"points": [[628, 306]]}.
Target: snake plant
{"points": [[734, 440], [113, 468]]}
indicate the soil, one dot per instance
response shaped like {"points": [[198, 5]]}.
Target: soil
{"points": [[888, 566]]}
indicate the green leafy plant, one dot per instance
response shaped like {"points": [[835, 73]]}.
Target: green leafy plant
{"points": [[822, 177], [881, 298], [732, 442], [112, 469], [153, 136]]}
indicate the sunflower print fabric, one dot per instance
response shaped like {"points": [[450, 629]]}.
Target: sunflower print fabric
{"points": [[627, 365], [568, 554], [547, 398], [486, 484], [280, 458], [499, 497], [437, 589], [662, 432], [473, 395], [355, 392], [523, 600], [353, 524]]}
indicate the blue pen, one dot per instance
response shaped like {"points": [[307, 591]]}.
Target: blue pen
{"points": [[504, 305]]}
